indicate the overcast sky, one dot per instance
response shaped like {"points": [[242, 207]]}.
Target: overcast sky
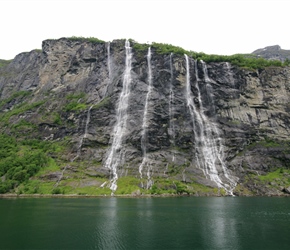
{"points": [[212, 27]]}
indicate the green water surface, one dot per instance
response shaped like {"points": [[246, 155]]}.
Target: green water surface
{"points": [[145, 223]]}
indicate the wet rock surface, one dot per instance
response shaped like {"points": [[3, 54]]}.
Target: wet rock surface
{"points": [[249, 110]]}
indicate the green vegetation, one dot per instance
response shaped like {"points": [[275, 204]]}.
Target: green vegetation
{"points": [[23, 125], [271, 143], [57, 118], [163, 186], [247, 61], [23, 160], [76, 96], [75, 103], [281, 175], [16, 95], [51, 117], [19, 109], [140, 47], [164, 48], [4, 62], [127, 185], [105, 102], [85, 39], [38, 50], [20, 160], [241, 190], [268, 143], [160, 48], [75, 106], [244, 61], [25, 163]]}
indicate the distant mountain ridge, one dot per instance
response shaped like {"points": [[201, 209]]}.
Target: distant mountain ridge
{"points": [[273, 53]]}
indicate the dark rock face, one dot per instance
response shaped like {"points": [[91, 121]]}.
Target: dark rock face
{"points": [[211, 123]]}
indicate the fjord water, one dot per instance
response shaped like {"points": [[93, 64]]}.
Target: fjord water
{"points": [[145, 223]]}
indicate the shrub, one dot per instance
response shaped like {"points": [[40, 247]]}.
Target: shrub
{"points": [[164, 48], [20, 160], [75, 106], [85, 39], [247, 61], [56, 191]]}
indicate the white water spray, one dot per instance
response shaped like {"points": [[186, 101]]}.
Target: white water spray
{"points": [[88, 121], [208, 145], [230, 179], [144, 136], [115, 157], [230, 73]]}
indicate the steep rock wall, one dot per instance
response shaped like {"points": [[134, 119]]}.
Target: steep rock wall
{"points": [[243, 127]]}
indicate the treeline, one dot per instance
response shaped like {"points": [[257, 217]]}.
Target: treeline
{"points": [[85, 39], [247, 61], [241, 60], [19, 160]]}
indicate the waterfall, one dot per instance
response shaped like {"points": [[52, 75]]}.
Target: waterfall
{"points": [[109, 60], [115, 157], [171, 114], [230, 74], [231, 180], [84, 135], [206, 78], [208, 144], [79, 145], [144, 135], [88, 121], [109, 69]]}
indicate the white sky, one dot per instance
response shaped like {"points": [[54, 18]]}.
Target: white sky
{"points": [[212, 27]]}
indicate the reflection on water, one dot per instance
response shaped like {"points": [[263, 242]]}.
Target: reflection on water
{"points": [[145, 220], [106, 234], [219, 227], [145, 223]]}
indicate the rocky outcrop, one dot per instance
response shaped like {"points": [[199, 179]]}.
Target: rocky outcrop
{"points": [[211, 123], [273, 53]]}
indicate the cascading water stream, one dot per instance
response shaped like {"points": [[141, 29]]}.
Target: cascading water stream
{"points": [[89, 110], [220, 154], [84, 135], [230, 73], [144, 135], [109, 60], [208, 147], [171, 114], [88, 121], [115, 157], [79, 145]]}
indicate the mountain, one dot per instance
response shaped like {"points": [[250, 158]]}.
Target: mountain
{"points": [[83, 116], [273, 53]]}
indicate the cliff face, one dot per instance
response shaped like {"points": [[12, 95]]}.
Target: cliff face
{"points": [[273, 53], [133, 112]]}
